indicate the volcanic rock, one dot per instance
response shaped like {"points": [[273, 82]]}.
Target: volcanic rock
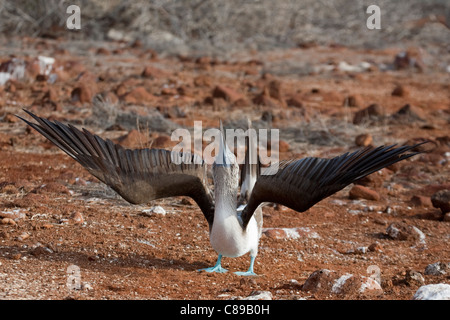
{"points": [[361, 192], [441, 200], [372, 112]]}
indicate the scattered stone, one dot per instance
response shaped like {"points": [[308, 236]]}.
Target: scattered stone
{"points": [[403, 231], [8, 221], [162, 141], [16, 256], [437, 269], [400, 91], [374, 180], [40, 251], [52, 187], [408, 114], [154, 210], [52, 97], [330, 282], [375, 247], [86, 286], [230, 95], [407, 60], [440, 291], [265, 99], [276, 90], [186, 202], [4, 234], [259, 295], [290, 233], [76, 218], [103, 51], [134, 139], [358, 250], [441, 200], [83, 93], [446, 217], [421, 201], [23, 236], [372, 112], [361, 192], [320, 281], [295, 101], [353, 101], [414, 278], [361, 67], [31, 199], [152, 73], [363, 140], [138, 95], [15, 214], [272, 95], [203, 81], [431, 189]]}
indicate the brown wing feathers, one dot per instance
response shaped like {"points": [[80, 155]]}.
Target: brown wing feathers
{"points": [[140, 175], [147, 174], [299, 184]]}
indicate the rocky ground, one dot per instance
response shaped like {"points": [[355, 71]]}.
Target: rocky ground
{"points": [[63, 235]]}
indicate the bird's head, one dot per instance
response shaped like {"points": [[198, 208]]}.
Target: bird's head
{"points": [[225, 166]]}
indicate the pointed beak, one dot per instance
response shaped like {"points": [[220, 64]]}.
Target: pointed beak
{"points": [[222, 159]]}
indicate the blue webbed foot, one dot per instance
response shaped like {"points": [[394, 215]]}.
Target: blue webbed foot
{"points": [[246, 273], [217, 268], [249, 272]]}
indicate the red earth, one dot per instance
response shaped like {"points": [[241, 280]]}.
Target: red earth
{"points": [[56, 217]]}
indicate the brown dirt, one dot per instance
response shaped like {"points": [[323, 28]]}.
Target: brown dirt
{"points": [[123, 254]]}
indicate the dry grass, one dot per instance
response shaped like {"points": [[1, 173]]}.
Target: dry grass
{"points": [[217, 26]]}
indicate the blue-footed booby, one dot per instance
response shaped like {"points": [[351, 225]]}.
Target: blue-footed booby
{"points": [[235, 223]]}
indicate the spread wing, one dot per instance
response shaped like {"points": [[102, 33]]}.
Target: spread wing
{"points": [[140, 175], [299, 184]]}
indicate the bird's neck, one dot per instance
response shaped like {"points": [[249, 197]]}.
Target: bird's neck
{"points": [[225, 194]]}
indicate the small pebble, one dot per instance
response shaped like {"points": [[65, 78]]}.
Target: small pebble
{"points": [[414, 278], [437, 269], [16, 256], [76, 218], [8, 221], [154, 210], [23, 236], [376, 246]]}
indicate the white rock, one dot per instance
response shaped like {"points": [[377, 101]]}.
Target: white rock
{"points": [[259, 295], [86, 286], [421, 235], [46, 64], [361, 67], [4, 77], [440, 291], [154, 210], [117, 35], [369, 283], [291, 233], [339, 283], [15, 214]]}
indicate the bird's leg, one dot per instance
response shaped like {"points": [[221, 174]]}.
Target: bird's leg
{"points": [[217, 267], [249, 272]]}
